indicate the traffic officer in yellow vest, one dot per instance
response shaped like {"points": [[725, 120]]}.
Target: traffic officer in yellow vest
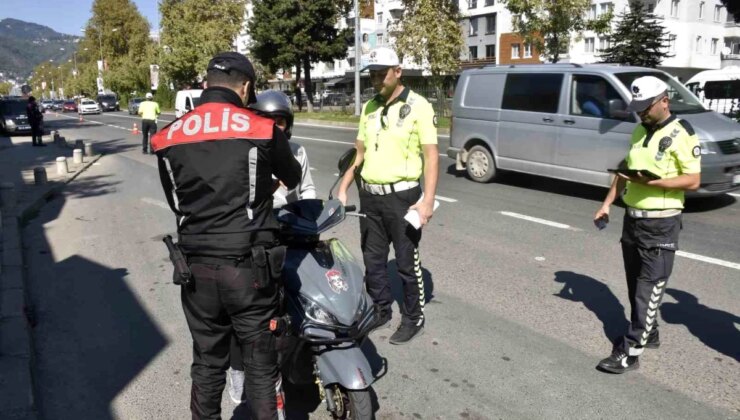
{"points": [[665, 152], [149, 111], [397, 128]]}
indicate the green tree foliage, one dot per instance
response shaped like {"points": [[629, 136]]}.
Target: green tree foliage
{"points": [[638, 40], [193, 31], [5, 88], [548, 25], [287, 33]]}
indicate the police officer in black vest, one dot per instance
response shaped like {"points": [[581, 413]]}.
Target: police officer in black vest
{"points": [[216, 165]]}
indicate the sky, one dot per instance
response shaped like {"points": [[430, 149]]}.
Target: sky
{"points": [[67, 16]]}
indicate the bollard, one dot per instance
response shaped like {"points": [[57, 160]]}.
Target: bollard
{"points": [[7, 195], [39, 175], [88, 149], [62, 165], [80, 144], [55, 136], [77, 156]]}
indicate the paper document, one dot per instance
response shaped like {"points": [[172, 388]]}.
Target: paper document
{"points": [[412, 216]]}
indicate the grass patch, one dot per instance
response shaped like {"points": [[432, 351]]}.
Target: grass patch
{"points": [[444, 122]]}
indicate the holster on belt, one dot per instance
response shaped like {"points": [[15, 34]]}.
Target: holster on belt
{"points": [[267, 265], [182, 274]]}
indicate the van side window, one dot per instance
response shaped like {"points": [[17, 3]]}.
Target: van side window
{"points": [[188, 104], [694, 88], [532, 92], [590, 96]]}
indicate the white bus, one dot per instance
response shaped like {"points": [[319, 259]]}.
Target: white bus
{"points": [[719, 90]]}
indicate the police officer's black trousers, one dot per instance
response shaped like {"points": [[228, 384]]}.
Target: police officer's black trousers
{"points": [[222, 301], [36, 134], [148, 129], [648, 249], [384, 225]]}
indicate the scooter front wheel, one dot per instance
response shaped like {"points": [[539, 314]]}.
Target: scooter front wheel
{"points": [[352, 405]]}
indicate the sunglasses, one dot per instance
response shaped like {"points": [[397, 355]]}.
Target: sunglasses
{"points": [[647, 110]]}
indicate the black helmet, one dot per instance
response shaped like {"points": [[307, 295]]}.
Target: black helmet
{"points": [[273, 103]]}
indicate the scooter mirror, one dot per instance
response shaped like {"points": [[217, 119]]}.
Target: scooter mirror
{"points": [[346, 161]]}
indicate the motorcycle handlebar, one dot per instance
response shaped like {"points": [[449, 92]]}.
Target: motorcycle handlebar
{"points": [[350, 208]]}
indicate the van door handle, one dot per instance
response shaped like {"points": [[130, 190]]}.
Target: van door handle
{"points": [[548, 119], [569, 122]]}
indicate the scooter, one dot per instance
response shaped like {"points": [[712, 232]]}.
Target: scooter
{"points": [[328, 311]]}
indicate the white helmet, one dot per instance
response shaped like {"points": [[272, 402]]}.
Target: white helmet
{"points": [[148, 95]]}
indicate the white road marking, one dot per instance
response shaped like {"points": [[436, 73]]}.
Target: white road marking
{"points": [[154, 202], [537, 220], [447, 199], [709, 260], [323, 140]]}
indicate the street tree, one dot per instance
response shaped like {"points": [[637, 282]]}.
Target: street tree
{"points": [[429, 33], [638, 40], [287, 33], [549, 25], [5, 88], [193, 31]]}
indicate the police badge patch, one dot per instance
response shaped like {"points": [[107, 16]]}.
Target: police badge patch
{"points": [[434, 120], [696, 151]]}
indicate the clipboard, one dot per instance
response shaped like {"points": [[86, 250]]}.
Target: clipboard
{"points": [[634, 172]]}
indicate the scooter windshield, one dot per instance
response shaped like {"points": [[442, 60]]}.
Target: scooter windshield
{"points": [[311, 216]]}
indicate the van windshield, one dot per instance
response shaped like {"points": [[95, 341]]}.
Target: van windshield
{"points": [[107, 98], [724, 89], [681, 100], [13, 107]]}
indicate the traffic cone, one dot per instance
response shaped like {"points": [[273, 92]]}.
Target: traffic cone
{"points": [[135, 130]]}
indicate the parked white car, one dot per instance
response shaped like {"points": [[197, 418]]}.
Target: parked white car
{"points": [[88, 106]]}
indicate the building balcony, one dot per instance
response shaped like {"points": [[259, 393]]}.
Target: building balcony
{"points": [[394, 5], [476, 62]]}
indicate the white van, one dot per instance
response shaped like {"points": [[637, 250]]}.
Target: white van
{"points": [[186, 101], [719, 90]]}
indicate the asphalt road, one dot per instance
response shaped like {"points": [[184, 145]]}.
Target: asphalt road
{"points": [[525, 295]]}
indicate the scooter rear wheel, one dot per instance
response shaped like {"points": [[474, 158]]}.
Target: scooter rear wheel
{"points": [[352, 405]]}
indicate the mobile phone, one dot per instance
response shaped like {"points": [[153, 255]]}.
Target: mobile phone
{"points": [[601, 222]]}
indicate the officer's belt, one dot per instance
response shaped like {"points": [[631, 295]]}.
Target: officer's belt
{"points": [[652, 214], [236, 262], [383, 189]]}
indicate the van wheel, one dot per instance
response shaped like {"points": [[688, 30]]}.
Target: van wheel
{"points": [[480, 164]]}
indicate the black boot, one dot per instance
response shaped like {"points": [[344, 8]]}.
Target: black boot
{"points": [[619, 362], [407, 332]]}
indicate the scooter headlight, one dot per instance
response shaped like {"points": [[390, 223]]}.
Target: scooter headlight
{"points": [[315, 312]]}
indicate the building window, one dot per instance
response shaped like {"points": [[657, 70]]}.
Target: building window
{"points": [[379, 37], [589, 45], [592, 12], [489, 3], [606, 7], [698, 45], [329, 65], [473, 26], [717, 11], [514, 51], [604, 43], [527, 51], [701, 10], [672, 43], [380, 17], [715, 41], [491, 51], [674, 8], [472, 4], [491, 24], [473, 52]]}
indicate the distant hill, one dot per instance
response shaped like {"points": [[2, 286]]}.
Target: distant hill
{"points": [[24, 45]]}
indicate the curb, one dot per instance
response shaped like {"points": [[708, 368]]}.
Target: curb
{"points": [[17, 385]]}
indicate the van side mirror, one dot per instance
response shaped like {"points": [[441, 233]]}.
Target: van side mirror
{"points": [[618, 109], [346, 161], [188, 108]]}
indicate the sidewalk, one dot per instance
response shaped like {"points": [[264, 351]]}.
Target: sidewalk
{"points": [[20, 199]]}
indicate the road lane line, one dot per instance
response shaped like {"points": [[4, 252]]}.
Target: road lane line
{"points": [[538, 220], [709, 260], [154, 202], [447, 199]]}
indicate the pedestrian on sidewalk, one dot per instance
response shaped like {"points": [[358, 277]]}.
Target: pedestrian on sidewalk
{"points": [[149, 111], [666, 154], [35, 120], [217, 178], [396, 144]]}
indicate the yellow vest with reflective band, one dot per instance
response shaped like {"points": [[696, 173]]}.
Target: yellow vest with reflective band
{"points": [[667, 150], [149, 110], [393, 137]]}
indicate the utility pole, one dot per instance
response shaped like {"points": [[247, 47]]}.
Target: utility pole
{"points": [[357, 59]]}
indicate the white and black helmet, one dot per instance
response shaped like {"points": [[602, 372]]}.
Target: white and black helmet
{"points": [[273, 103]]}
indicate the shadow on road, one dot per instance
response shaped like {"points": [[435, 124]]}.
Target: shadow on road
{"points": [[597, 298], [713, 327], [92, 336], [703, 204]]}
